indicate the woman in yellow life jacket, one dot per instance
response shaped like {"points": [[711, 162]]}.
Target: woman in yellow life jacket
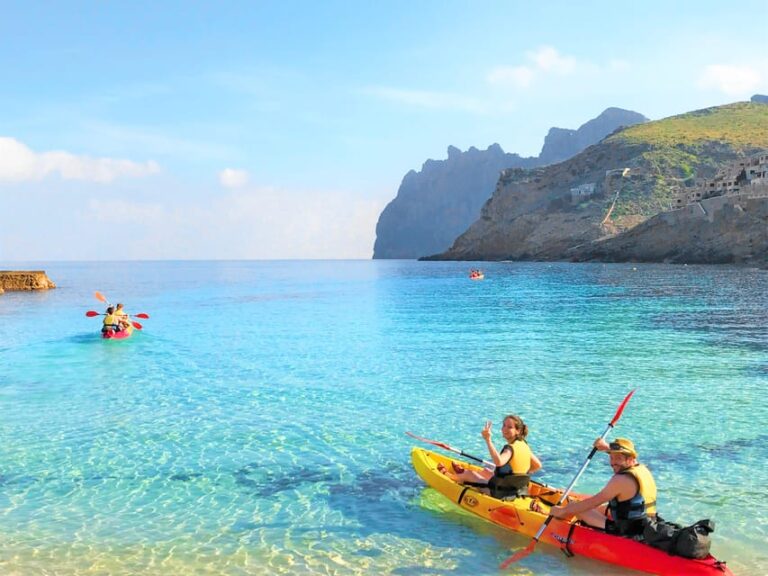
{"points": [[110, 321], [630, 494], [514, 463]]}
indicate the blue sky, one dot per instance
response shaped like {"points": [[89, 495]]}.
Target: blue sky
{"points": [[164, 130]]}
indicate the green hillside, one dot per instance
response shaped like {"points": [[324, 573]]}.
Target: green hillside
{"points": [[743, 125], [678, 150]]}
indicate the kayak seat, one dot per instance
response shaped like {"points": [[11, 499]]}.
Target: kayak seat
{"points": [[509, 486]]}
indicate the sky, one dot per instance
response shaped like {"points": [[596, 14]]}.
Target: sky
{"points": [[281, 129]]}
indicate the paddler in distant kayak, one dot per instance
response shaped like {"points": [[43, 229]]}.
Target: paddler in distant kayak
{"points": [[514, 463], [110, 321], [630, 494], [122, 317]]}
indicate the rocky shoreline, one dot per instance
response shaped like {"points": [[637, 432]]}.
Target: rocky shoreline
{"points": [[20, 280]]}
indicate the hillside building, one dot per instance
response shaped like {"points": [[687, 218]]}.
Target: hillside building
{"points": [[745, 178]]}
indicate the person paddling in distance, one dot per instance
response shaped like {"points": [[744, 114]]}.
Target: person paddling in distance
{"points": [[630, 494], [122, 317], [110, 321], [514, 464]]}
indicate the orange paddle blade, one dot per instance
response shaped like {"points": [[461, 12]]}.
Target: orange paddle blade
{"points": [[519, 555], [92, 313], [100, 296], [137, 325]]}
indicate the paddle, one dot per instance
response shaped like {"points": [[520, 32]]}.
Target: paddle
{"points": [[450, 448], [92, 313], [100, 296], [528, 549]]}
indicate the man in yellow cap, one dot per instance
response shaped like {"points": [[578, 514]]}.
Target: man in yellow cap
{"points": [[630, 494]]}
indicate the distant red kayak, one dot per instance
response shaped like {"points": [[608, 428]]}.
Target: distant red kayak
{"points": [[119, 335]]}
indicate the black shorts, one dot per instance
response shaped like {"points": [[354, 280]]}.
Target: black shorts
{"points": [[628, 528]]}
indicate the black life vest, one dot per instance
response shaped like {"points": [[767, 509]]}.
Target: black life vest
{"points": [[511, 479]]}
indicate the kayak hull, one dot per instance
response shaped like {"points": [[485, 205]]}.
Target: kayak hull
{"points": [[574, 539], [119, 335]]}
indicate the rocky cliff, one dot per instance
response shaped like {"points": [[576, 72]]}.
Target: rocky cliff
{"points": [[561, 144], [438, 203], [553, 213], [714, 231], [25, 280]]}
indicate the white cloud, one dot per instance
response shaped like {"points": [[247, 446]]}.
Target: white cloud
{"points": [[731, 80], [270, 223], [547, 62], [543, 61], [517, 75], [233, 178], [549, 59], [427, 99], [248, 223], [18, 163]]}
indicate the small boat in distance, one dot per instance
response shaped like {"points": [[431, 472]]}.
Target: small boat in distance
{"points": [[476, 274], [117, 323]]}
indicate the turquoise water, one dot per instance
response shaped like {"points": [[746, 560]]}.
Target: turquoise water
{"points": [[256, 424]]}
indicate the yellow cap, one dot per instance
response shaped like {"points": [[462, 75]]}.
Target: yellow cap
{"points": [[623, 446]]}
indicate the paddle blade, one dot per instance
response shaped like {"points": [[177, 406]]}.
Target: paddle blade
{"points": [[621, 407], [142, 315], [519, 555], [100, 296], [92, 313], [442, 445], [137, 325]]}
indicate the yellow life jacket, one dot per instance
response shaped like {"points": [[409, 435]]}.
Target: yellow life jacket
{"points": [[110, 320], [641, 504], [521, 457]]}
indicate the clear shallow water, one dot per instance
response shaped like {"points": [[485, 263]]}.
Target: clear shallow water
{"points": [[256, 424]]}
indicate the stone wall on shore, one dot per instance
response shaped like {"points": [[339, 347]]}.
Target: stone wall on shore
{"points": [[24, 280]]}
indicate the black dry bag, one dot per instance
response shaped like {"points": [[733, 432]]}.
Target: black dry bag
{"points": [[689, 542], [694, 541]]}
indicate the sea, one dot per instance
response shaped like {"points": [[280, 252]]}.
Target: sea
{"points": [[256, 424]]}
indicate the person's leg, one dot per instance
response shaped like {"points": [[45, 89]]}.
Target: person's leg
{"points": [[593, 518], [480, 476], [466, 475]]}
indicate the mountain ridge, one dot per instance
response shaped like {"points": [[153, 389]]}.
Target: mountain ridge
{"points": [[541, 214], [435, 205]]}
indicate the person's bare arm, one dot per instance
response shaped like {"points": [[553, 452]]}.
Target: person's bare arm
{"points": [[613, 489], [535, 463]]}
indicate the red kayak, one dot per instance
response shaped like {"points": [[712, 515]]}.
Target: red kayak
{"points": [[119, 335], [581, 540]]}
